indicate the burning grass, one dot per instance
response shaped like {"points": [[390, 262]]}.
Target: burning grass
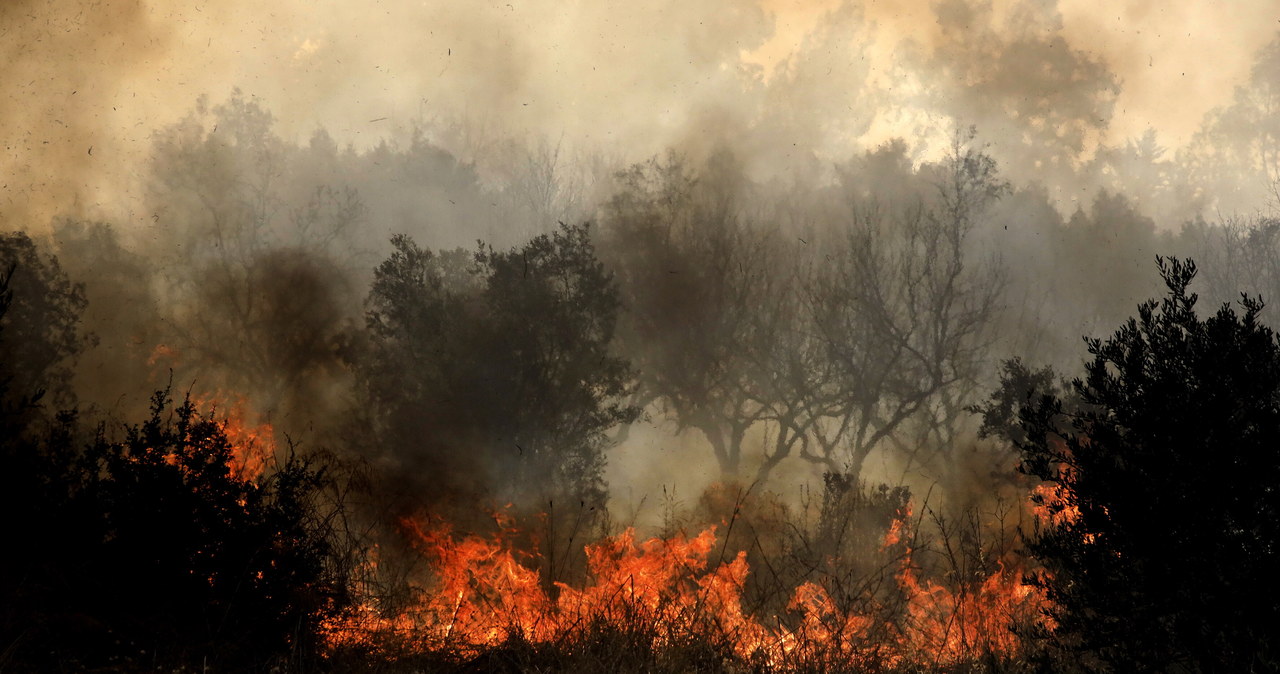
{"points": [[855, 581], [691, 602]]}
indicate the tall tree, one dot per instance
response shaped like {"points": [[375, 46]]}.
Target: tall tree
{"points": [[1161, 471], [41, 336], [1234, 159], [691, 272], [257, 297], [496, 369], [902, 312]]}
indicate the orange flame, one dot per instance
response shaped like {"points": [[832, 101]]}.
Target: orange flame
{"points": [[163, 353], [666, 590], [253, 446], [1053, 506]]}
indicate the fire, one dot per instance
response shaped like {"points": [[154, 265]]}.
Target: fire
{"points": [[253, 447], [953, 626], [163, 353], [666, 591], [483, 595], [1052, 506]]}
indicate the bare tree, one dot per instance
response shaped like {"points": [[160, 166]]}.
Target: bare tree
{"points": [[690, 273], [833, 349], [790, 374], [902, 315]]}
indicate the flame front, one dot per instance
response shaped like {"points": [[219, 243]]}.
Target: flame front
{"points": [[668, 591]]}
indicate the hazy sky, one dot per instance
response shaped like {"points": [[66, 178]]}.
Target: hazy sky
{"points": [[637, 77], [1175, 60]]}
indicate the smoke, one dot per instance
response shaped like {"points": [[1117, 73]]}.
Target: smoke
{"points": [[456, 121], [62, 65], [782, 81], [1174, 61]]}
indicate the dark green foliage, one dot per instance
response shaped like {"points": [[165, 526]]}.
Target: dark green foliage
{"points": [[148, 549], [40, 332], [151, 550], [1170, 457], [495, 371]]}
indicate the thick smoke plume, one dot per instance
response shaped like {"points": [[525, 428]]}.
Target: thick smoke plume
{"points": [[809, 78]]}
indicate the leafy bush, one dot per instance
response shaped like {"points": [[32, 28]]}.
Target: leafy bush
{"points": [[152, 548], [1161, 474]]}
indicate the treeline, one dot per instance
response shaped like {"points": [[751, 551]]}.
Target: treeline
{"points": [[845, 316], [814, 325], [146, 546]]}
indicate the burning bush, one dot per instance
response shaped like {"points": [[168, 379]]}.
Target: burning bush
{"points": [[158, 548]]}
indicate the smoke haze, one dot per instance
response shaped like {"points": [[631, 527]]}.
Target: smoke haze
{"points": [[468, 298], [779, 78], [216, 139]]}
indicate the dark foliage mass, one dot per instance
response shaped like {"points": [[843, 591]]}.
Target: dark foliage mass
{"points": [[1164, 548], [142, 547], [494, 370], [40, 329]]}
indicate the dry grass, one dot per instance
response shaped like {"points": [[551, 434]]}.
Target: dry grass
{"points": [[886, 589]]}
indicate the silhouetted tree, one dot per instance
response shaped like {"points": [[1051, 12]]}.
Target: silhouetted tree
{"points": [[149, 547], [118, 372], [1161, 470], [257, 297], [692, 275], [40, 335], [902, 312], [1104, 254], [831, 349], [1233, 161], [1144, 171], [1237, 255], [495, 371]]}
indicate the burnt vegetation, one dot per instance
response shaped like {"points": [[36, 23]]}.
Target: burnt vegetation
{"points": [[305, 422]]}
